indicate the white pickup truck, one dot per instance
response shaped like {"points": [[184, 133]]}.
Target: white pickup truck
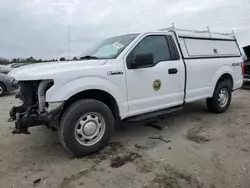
{"points": [[128, 77]]}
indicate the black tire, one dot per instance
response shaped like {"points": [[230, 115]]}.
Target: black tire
{"points": [[68, 124], [2, 89], [213, 104]]}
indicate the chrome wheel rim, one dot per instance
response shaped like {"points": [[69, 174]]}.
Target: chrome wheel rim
{"points": [[90, 129], [1, 90], [223, 97]]}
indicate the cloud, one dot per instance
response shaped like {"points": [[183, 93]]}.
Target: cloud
{"points": [[40, 27]]}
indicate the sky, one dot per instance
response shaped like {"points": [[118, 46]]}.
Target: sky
{"points": [[39, 28]]}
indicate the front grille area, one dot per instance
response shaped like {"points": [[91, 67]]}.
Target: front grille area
{"points": [[28, 92]]}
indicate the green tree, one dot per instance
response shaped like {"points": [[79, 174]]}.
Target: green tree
{"points": [[14, 60], [62, 59], [31, 59]]}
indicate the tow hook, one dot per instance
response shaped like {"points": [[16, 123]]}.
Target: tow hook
{"points": [[11, 119], [18, 128], [15, 116]]}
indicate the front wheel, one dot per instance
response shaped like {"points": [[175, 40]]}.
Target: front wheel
{"points": [[86, 127], [221, 99]]}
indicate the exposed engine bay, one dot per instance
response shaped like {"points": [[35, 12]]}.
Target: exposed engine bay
{"points": [[35, 110]]}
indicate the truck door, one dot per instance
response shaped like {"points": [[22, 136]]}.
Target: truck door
{"points": [[160, 85]]}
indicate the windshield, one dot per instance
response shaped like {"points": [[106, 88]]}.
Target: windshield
{"points": [[110, 48]]}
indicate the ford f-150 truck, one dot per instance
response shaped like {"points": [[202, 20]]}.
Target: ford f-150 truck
{"points": [[127, 78]]}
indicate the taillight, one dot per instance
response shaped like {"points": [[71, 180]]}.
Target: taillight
{"points": [[242, 68]]}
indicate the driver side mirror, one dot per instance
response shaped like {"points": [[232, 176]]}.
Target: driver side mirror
{"points": [[143, 60]]}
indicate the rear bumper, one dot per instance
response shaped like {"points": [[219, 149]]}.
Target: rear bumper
{"points": [[246, 78]]}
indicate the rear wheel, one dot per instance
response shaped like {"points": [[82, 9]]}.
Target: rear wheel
{"points": [[86, 127], [2, 89], [221, 99]]}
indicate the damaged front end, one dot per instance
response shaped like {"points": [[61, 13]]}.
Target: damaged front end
{"points": [[35, 110]]}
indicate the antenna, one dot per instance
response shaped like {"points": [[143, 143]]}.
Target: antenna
{"points": [[69, 40], [233, 33], [209, 31], [173, 26]]}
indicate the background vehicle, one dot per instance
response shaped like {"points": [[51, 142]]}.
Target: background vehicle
{"points": [[6, 84], [16, 65], [4, 69], [129, 78], [246, 77]]}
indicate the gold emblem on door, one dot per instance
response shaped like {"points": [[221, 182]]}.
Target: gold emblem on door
{"points": [[157, 85]]}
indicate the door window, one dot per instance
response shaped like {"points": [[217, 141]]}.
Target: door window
{"points": [[156, 45]]}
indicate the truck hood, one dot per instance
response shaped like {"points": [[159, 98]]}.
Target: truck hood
{"points": [[45, 70]]}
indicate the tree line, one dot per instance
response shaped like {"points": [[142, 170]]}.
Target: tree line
{"points": [[30, 60]]}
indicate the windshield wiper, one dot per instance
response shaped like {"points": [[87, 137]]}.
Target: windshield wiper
{"points": [[89, 57]]}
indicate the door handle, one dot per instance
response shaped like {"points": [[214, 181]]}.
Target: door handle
{"points": [[172, 71]]}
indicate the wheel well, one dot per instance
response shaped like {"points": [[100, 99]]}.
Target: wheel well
{"points": [[5, 89], [99, 95], [227, 77]]}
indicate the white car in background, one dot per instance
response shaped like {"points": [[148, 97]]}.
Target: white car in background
{"points": [[5, 69], [7, 84]]}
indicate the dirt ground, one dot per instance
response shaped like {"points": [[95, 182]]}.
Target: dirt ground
{"points": [[191, 148]]}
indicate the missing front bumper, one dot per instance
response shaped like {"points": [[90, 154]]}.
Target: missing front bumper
{"points": [[27, 117]]}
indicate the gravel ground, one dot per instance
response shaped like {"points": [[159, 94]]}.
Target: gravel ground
{"points": [[191, 148]]}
